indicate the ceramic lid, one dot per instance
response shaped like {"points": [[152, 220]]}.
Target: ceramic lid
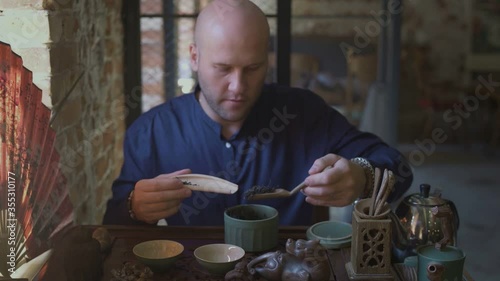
{"points": [[423, 199], [447, 253]]}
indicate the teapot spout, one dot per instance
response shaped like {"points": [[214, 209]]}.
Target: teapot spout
{"points": [[402, 247]]}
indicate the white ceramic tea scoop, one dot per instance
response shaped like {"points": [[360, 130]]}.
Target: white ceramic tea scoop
{"points": [[207, 183]]}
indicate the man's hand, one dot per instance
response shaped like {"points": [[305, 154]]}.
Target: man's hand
{"points": [[160, 197], [335, 187]]}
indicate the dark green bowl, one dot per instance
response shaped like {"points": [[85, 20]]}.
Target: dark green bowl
{"points": [[252, 227]]}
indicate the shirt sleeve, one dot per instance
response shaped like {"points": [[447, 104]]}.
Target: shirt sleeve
{"points": [[138, 164], [349, 142]]}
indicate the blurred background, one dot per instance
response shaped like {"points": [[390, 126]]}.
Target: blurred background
{"points": [[422, 74]]}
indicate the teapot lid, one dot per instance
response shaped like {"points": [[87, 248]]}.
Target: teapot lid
{"points": [[424, 199], [447, 253]]}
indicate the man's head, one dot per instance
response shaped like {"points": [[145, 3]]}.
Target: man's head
{"points": [[230, 57]]}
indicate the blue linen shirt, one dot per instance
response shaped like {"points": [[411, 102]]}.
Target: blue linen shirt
{"points": [[287, 130]]}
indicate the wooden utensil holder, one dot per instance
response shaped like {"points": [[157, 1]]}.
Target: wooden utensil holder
{"points": [[370, 249]]}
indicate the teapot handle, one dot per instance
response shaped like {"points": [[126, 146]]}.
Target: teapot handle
{"points": [[445, 214], [455, 211]]}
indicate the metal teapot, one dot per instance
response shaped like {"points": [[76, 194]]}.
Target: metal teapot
{"points": [[416, 223]]}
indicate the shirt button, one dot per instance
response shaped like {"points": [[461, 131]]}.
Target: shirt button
{"points": [[228, 145]]}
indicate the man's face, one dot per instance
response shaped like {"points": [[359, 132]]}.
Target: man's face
{"points": [[231, 72]]}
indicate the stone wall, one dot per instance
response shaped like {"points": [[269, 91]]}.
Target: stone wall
{"points": [[75, 50]]}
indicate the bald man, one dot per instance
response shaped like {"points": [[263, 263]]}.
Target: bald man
{"points": [[230, 57], [235, 127]]}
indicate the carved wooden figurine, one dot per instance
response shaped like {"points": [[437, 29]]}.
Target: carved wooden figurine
{"points": [[302, 261]]}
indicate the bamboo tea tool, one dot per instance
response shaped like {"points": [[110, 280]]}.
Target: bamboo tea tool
{"points": [[207, 183], [381, 193], [375, 190], [371, 233]]}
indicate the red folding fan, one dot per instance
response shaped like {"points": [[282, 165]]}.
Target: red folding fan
{"points": [[34, 199]]}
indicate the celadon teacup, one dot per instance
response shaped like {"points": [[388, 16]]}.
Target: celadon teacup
{"points": [[252, 227]]}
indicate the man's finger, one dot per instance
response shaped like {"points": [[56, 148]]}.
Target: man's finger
{"points": [[167, 195], [317, 192], [335, 202], [321, 163], [176, 173], [159, 184], [162, 214], [159, 207], [331, 175]]}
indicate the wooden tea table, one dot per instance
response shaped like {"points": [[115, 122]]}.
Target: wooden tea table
{"points": [[186, 268]]}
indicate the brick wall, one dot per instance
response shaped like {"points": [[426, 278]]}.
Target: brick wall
{"points": [[75, 50]]}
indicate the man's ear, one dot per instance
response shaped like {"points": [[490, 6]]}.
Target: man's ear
{"points": [[194, 56]]}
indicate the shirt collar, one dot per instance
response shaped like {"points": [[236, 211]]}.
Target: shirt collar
{"points": [[249, 127], [200, 114]]}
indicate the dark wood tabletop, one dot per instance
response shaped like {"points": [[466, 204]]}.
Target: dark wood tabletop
{"points": [[124, 238]]}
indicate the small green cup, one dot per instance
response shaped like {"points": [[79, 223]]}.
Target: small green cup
{"points": [[251, 227]]}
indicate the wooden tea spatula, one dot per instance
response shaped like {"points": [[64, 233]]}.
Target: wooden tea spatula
{"points": [[207, 183], [257, 193]]}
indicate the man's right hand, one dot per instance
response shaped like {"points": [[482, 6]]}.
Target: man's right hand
{"points": [[159, 197]]}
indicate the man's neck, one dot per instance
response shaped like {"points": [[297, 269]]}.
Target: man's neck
{"points": [[228, 128]]}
